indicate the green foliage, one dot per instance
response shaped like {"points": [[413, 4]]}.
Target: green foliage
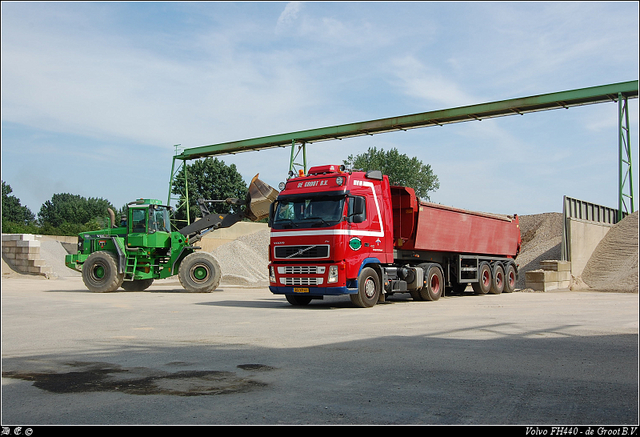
{"points": [[64, 214], [402, 170], [71, 209], [210, 179], [12, 211]]}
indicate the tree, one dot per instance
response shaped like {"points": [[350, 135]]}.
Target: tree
{"points": [[402, 170], [73, 209], [12, 210], [209, 179]]}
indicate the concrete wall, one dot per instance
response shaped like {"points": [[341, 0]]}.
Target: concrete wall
{"points": [[584, 237]]}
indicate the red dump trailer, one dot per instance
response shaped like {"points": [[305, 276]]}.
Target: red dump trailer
{"points": [[337, 232]]}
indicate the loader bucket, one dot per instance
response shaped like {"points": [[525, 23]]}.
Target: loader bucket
{"points": [[259, 199]]}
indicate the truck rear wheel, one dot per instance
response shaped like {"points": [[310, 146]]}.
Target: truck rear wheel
{"points": [[199, 272], [510, 278], [484, 279], [433, 283], [497, 279], [100, 272], [368, 289]]}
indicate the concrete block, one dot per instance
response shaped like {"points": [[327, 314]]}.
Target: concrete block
{"points": [[555, 265], [27, 243], [546, 280]]}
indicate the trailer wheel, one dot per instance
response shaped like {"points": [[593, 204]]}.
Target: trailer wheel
{"points": [[100, 272], [433, 283], [368, 289], [298, 300], [497, 279], [199, 272], [510, 278], [484, 279], [139, 285]]}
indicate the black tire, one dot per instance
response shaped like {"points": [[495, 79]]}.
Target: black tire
{"points": [[497, 279], [484, 279], [433, 283], [100, 272], [510, 278], [199, 272], [368, 289], [298, 300], [138, 285]]}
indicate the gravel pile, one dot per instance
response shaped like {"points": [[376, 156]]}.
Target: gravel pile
{"points": [[541, 240], [53, 253], [245, 260], [614, 263]]}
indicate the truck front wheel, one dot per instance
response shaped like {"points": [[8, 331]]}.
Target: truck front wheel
{"points": [[433, 283], [100, 272], [368, 289], [199, 272]]}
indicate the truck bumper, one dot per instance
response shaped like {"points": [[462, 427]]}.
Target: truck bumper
{"points": [[313, 291]]}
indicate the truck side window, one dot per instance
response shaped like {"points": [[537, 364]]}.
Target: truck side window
{"points": [[357, 211]]}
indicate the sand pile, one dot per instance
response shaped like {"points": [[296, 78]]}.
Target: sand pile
{"points": [[614, 263]]}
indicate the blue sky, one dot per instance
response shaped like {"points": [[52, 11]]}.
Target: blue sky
{"points": [[96, 95]]}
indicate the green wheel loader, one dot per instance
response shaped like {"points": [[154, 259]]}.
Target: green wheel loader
{"points": [[143, 247]]}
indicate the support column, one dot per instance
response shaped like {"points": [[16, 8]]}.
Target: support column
{"points": [[625, 170]]}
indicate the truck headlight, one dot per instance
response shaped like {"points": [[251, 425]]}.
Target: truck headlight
{"points": [[333, 274], [272, 274]]}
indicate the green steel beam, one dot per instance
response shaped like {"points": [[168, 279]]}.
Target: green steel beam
{"points": [[523, 105], [619, 92]]}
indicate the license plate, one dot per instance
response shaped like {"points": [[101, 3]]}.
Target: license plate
{"points": [[300, 290]]}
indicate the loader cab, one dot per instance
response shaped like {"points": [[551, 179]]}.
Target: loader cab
{"points": [[148, 224]]}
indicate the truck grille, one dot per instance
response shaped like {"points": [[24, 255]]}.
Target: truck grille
{"points": [[301, 281], [302, 270], [294, 252]]}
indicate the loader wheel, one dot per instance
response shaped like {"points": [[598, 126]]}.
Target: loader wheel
{"points": [[199, 272], [368, 289], [433, 283], [139, 285], [484, 279], [497, 279], [100, 272], [509, 278]]}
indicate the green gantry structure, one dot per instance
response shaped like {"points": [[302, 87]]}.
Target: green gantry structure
{"points": [[616, 92]]}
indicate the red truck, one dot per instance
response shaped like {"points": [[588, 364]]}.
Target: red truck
{"points": [[338, 232]]}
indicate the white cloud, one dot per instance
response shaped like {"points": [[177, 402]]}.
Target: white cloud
{"points": [[288, 16]]}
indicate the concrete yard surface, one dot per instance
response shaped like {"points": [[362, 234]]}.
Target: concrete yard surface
{"points": [[245, 356]]}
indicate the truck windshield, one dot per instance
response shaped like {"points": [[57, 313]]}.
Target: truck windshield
{"points": [[308, 212]]}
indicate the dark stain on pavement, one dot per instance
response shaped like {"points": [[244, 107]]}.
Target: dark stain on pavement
{"points": [[87, 377]]}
